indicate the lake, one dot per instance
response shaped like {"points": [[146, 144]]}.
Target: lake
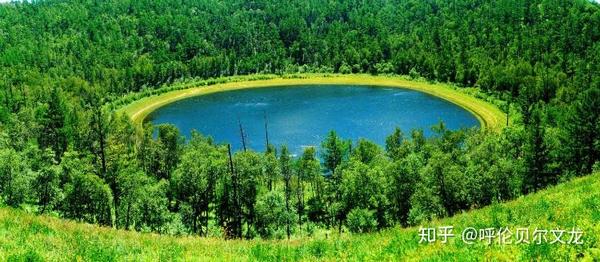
{"points": [[301, 116]]}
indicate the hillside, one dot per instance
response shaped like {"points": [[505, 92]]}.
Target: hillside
{"points": [[78, 78], [575, 203]]}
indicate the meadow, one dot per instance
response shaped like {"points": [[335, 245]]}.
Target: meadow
{"points": [[26, 237]]}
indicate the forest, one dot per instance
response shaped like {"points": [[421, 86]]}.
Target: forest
{"points": [[63, 152]]}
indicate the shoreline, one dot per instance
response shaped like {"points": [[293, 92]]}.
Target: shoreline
{"points": [[488, 115]]}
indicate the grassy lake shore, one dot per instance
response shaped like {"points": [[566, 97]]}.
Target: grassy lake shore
{"points": [[489, 116]]}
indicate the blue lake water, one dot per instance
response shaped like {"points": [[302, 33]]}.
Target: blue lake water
{"points": [[302, 116]]}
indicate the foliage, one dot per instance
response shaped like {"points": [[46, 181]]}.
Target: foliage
{"points": [[15, 178], [272, 216], [66, 65], [89, 199], [574, 203], [361, 221]]}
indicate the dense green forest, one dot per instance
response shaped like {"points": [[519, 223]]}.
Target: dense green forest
{"points": [[62, 152]]}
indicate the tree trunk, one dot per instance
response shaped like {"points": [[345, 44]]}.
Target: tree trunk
{"points": [[287, 205], [127, 215]]}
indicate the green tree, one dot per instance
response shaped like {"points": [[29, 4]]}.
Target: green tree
{"points": [[250, 172], [195, 179], [131, 185], [366, 151], [536, 153], [15, 178], [53, 133], [88, 199], [442, 190], [153, 213], [170, 142], [46, 187], [335, 150], [582, 138], [272, 218], [308, 170], [120, 159], [402, 175], [361, 221], [395, 145], [285, 163], [271, 167], [362, 187]]}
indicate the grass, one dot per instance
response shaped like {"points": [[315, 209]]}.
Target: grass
{"points": [[24, 236], [488, 115]]}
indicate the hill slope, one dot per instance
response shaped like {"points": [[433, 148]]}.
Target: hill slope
{"points": [[572, 204]]}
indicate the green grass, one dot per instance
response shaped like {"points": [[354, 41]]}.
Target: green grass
{"points": [[488, 115], [576, 203]]}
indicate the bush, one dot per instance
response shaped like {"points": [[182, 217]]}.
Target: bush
{"points": [[345, 69], [271, 216], [361, 220], [15, 178], [414, 74], [384, 68], [89, 199]]}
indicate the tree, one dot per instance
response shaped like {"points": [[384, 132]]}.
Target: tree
{"points": [[153, 211], [170, 142], [395, 145], [271, 215], [308, 169], [492, 172], [362, 187], [120, 159], [148, 151], [366, 152], [195, 179], [582, 138], [15, 178], [131, 185], [271, 167], [53, 132], [88, 199], [334, 151], [285, 164], [361, 221], [98, 124], [536, 153], [402, 175], [249, 170], [442, 190], [46, 187], [229, 210]]}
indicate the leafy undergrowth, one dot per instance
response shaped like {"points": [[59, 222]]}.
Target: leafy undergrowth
{"points": [[26, 237]]}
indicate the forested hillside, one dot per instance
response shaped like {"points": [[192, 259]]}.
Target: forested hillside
{"points": [[576, 201], [122, 46], [62, 152]]}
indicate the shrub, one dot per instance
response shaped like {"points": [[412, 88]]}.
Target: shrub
{"points": [[89, 199], [345, 69], [271, 215], [361, 220], [15, 178]]}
